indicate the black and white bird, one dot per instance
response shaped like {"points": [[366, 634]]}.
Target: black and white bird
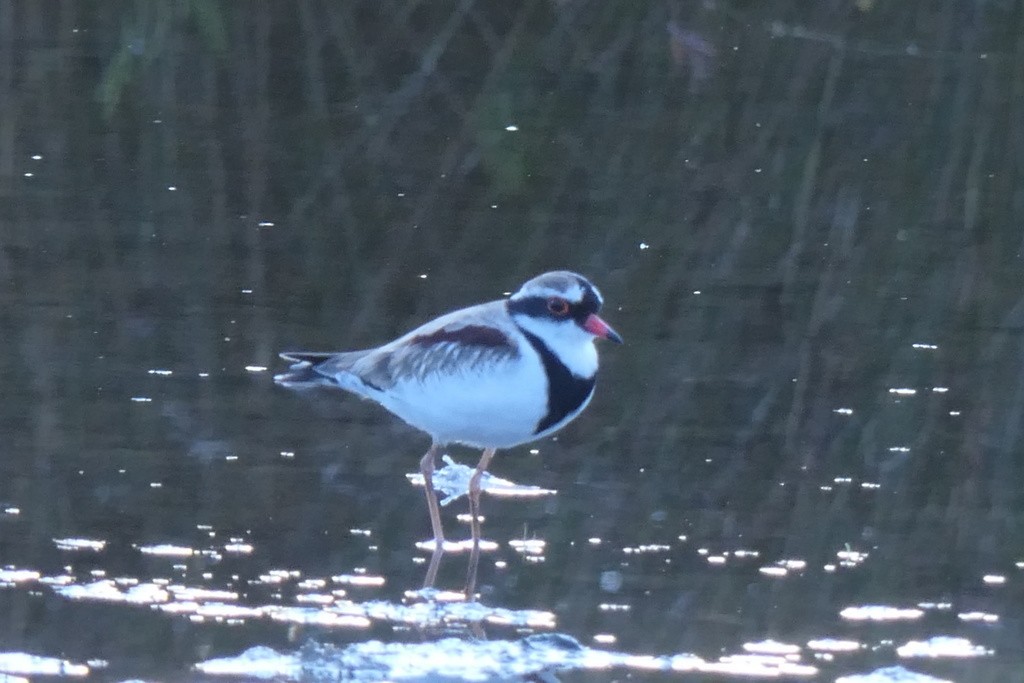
{"points": [[494, 375]]}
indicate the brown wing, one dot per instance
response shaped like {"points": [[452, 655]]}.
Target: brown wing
{"points": [[454, 344], [451, 349]]}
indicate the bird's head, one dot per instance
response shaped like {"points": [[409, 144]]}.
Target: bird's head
{"points": [[561, 308]]}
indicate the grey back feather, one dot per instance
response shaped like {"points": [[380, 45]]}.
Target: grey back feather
{"points": [[462, 342]]}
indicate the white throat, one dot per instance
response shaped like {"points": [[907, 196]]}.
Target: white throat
{"points": [[573, 346]]}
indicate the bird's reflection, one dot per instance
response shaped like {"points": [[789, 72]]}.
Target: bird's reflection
{"points": [[454, 481], [469, 588]]}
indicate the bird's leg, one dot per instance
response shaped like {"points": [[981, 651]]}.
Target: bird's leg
{"points": [[474, 519], [474, 562], [474, 494], [427, 470], [435, 564]]}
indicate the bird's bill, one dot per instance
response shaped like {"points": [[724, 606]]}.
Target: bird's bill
{"points": [[599, 328]]}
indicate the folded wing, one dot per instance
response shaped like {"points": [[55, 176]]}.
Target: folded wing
{"points": [[458, 344]]}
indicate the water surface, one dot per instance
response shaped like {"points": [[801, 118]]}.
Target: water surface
{"points": [[804, 220]]}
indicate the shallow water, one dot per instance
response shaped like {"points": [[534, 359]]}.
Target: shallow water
{"points": [[804, 462]]}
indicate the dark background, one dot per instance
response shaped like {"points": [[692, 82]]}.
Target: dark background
{"points": [[792, 209]]}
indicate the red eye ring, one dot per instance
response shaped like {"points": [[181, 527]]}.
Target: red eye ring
{"points": [[558, 306]]}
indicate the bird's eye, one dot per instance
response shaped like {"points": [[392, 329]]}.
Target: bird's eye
{"points": [[558, 306]]}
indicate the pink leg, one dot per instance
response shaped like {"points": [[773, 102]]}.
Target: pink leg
{"points": [[474, 494], [427, 470], [474, 521]]}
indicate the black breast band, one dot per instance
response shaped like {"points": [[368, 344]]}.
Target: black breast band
{"points": [[566, 391]]}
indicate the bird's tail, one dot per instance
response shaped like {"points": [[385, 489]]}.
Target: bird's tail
{"points": [[303, 373]]}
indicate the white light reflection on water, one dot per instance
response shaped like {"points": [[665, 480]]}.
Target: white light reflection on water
{"points": [[783, 567], [442, 613], [881, 613], [314, 599], [834, 645], [22, 664], [10, 576], [60, 580], [771, 647], [614, 607], [111, 590], [758, 666], [214, 611], [203, 594], [237, 547], [79, 544], [891, 674], [277, 576], [456, 547], [345, 615], [984, 617], [531, 548], [359, 580], [774, 571], [258, 662], [314, 603], [166, 550], [434, 595], [458, 659], [942, 646], [648, 548], [329, 609], [851, 558]]}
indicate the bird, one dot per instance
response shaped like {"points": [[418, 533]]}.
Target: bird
{"points": [[491, 376]]}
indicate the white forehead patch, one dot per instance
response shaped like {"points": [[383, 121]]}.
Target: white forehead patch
{"points": [[572, 293]]}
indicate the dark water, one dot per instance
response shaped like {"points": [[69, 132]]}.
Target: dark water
{"points": [[805, 219]]}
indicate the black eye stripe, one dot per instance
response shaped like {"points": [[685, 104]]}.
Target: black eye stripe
{"points": [[537, 307], [533, 306]]}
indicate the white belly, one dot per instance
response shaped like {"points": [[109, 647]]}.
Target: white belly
{"points": [[499, 408]]}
